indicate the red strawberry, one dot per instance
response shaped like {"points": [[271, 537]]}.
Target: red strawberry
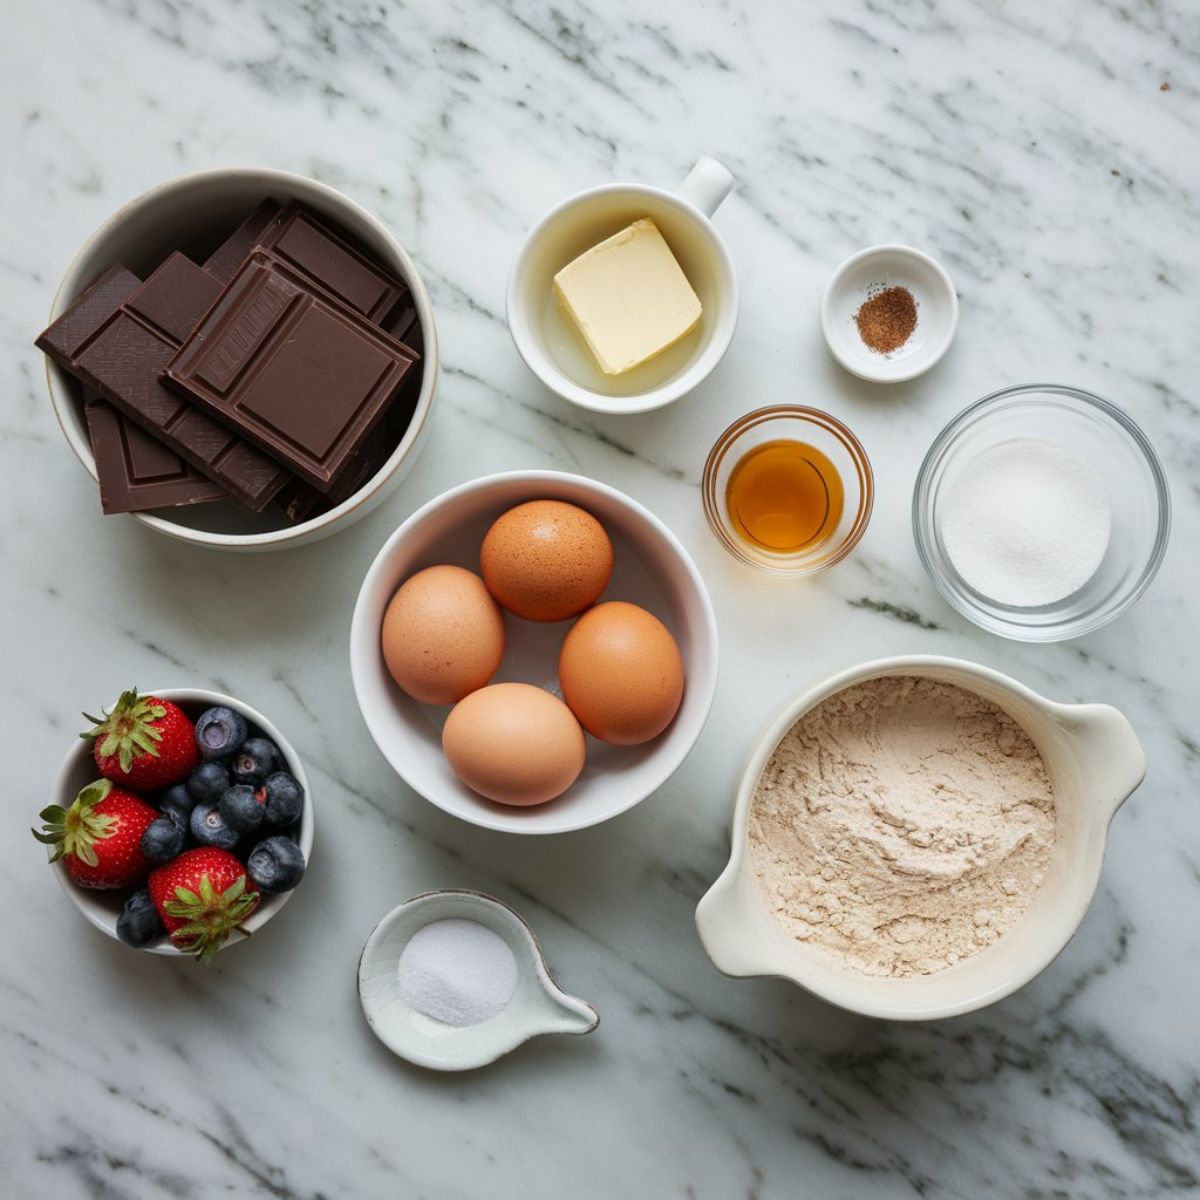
{"points": [[99, 837], [145, 743], [201, 897]]}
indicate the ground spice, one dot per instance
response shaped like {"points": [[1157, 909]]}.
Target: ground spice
{"points": [[886, 319]]}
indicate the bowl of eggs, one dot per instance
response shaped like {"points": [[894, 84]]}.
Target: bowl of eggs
{"points": [[534, 652]]}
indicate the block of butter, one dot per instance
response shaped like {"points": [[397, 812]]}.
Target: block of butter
{"points": [[628, 297]]}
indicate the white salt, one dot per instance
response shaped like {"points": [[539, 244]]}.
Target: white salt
{"points": [[457, 972], [1026, 522]]}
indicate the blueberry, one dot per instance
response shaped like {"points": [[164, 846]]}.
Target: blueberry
{"points": [[276, 864], [208, 782], [139, 924], [209, 828], [257, 759], [244, 807], [220, 732], [285, 799], [163, 840], [177, 802]]}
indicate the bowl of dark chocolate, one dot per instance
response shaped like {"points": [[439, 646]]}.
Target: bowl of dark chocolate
{"points": [[280, 465]]}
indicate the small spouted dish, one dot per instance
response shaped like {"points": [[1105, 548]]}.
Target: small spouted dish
{"points": [[576, 648], [453, 980], [182, 821]]}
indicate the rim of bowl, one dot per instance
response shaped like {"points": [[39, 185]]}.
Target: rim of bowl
{"points": [[273, 901], [812, 416], [359, 635], [789, 713], [861, 369], [922, 516], [60, 400], [666, 393]]}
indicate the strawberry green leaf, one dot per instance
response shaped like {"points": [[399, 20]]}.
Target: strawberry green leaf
{"points": [[75, 830], [128, 731]]}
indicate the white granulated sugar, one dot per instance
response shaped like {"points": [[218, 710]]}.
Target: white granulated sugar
{"points": [[457, 972], [903, 825], [1026, 522]]}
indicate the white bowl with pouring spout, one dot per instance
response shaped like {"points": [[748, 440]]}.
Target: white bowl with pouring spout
{"points": [[538, 1006], [1094, 761]]}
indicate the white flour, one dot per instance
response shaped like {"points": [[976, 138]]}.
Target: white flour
{"points": [[903, 824]]}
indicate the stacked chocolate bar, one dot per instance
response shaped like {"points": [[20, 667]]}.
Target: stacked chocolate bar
{"points": [[283, 369]]}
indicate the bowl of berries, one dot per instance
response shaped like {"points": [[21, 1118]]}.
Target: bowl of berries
{"points": [[182, 821]]}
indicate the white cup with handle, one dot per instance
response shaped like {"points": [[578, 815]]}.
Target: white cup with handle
{"points": [[556, 353]]}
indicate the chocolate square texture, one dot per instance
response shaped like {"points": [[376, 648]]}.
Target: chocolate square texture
{"points": [[300, 501], [117, 339], [136, 472], [292, 367], [315, 249]]}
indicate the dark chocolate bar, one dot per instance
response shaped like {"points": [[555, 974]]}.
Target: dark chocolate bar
{"points": [[120, 350], [292, 368], [136, 472], [300, 237]]}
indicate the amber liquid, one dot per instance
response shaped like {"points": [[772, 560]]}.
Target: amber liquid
{"points": [[784, 497]]}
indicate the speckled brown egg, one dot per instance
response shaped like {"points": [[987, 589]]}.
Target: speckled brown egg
{"points": [[546, 560], [621, 673], [514, 743], [442, 635]]}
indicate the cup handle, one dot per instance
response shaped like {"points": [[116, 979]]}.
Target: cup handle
{"points": [[707, 185]]}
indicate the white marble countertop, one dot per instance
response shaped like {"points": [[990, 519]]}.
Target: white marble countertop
{"points": [[1047, 155]]}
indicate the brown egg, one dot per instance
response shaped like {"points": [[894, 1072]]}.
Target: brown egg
{"points": [[546, 560], [621, 673], [442, 635], [514, 743]]}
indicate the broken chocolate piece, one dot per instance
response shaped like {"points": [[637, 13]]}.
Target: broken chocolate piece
{"points": [[136, 472]]}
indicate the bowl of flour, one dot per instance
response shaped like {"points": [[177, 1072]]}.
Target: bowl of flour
{"points": [[918, 837]]}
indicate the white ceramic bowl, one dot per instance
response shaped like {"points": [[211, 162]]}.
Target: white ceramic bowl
{"points": [[1095, 761], [539, 1006], [889, 266], [556, 353], [102, 908], [651, 568], [194, 213]]}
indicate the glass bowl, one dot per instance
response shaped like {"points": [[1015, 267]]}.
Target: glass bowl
{"points": [[786, 422], [1127, 467]]}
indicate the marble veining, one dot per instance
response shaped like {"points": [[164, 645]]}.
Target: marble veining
{"points": [[1047, 155]]}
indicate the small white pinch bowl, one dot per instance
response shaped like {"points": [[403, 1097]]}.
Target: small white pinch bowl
{"points": [[102, 908], [651, 568], [1095, 762], [193, 213], [884, 267], [538, 1006], [553, 349]]}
